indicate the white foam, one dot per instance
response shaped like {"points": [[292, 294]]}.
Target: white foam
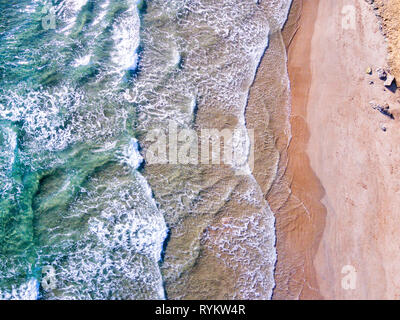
{"points": [[12, 142], [176, 57], [126, 40], [41, 113], [26, 291], [82, 61], [131, 154]]}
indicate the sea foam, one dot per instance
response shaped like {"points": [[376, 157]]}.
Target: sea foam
{"points": [[26, 291]]}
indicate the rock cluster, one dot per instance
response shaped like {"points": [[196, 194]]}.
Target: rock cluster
{"points": [[388, 14], [386, 76], [384, 109]]}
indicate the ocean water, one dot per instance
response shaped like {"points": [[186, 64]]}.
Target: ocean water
{"points": [[82, 216]]}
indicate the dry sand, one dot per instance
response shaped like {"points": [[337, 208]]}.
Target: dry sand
{"points": [[342, 166], [388, 12]]}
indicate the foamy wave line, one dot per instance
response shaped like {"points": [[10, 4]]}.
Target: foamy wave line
{"points": [[257, 58], [132, 157], [126, 39]]}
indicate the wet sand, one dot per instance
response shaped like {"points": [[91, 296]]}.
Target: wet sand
{"points": [[285, 182], [301, 219], [343, 206]]}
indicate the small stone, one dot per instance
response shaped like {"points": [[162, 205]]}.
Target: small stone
{"points": [[373, 104], [383, 128], [369, 70], [381, 73]]}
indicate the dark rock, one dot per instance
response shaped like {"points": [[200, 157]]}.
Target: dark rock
{"points": [[381, 73]]}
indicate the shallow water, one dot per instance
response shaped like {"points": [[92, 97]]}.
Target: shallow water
{"points": [[82, 83]]}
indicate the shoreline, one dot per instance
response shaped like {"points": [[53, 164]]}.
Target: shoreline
{"points": [[341, 174], [268, 114], [301, 219]]}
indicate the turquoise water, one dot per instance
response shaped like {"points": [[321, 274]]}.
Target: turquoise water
{"points": [[71, 198]]}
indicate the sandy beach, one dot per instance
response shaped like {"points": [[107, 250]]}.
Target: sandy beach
{"points": [[343, 160]]}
